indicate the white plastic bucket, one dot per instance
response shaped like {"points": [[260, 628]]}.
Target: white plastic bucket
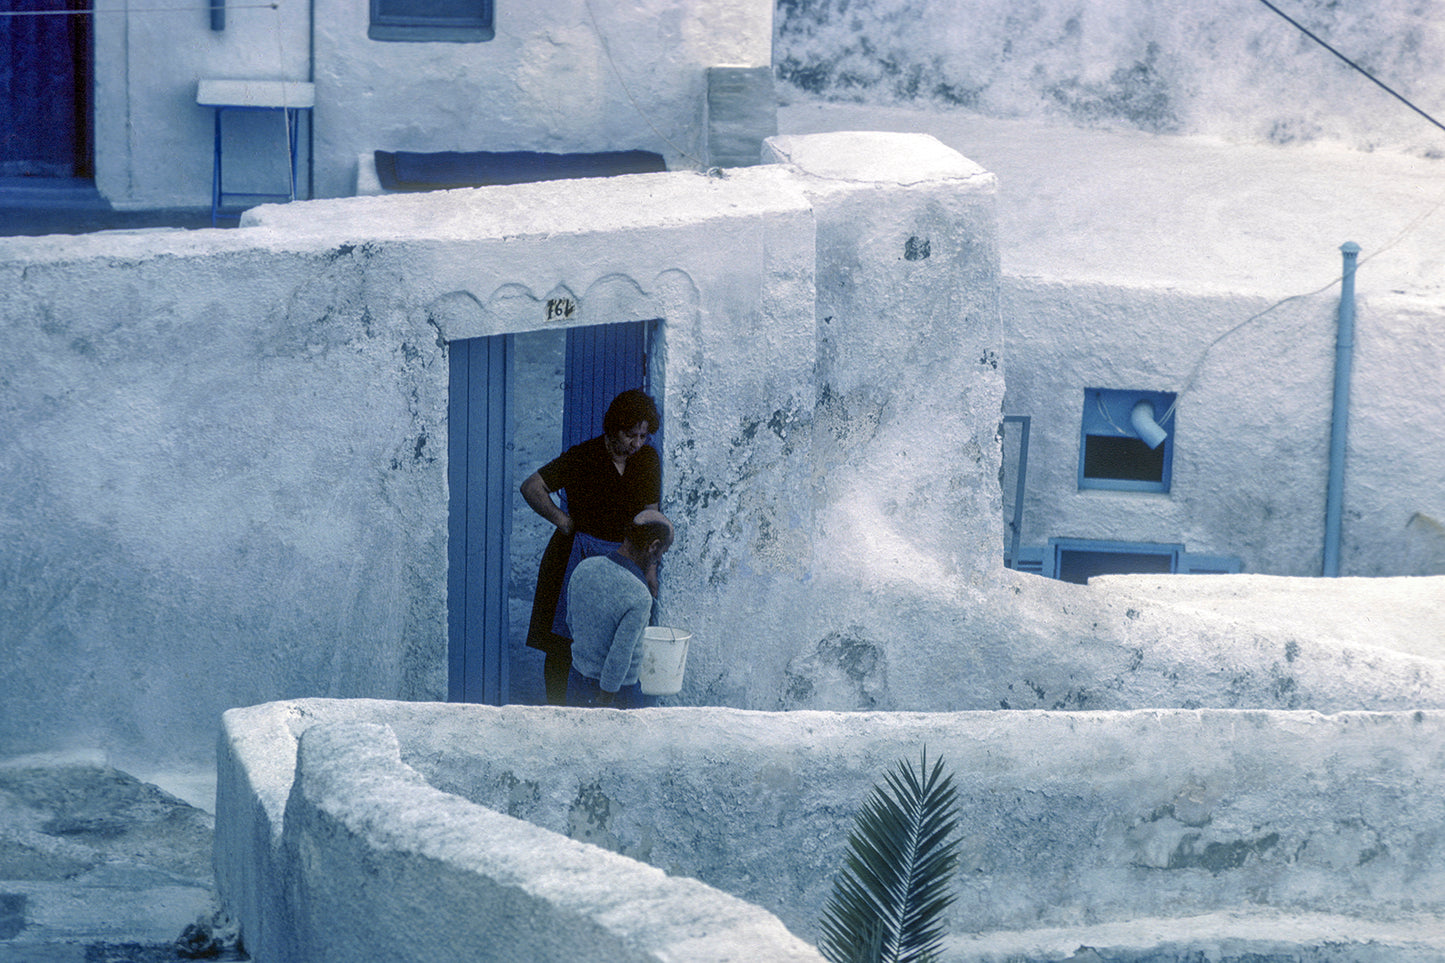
{"points": [[664, 656]]}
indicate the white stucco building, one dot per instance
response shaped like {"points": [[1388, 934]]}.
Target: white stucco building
{"points": [[257, 465], [120, 89]]}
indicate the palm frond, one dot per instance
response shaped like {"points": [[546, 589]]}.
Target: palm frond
{"points": [[888, 902]]}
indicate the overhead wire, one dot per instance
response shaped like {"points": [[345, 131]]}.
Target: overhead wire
{"points": [[617, 72], [1371, 77], [1406, 230]]}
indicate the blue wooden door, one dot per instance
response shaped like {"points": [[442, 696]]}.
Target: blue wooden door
{"points": [[479, 519], [45, 89], [602, 361]]}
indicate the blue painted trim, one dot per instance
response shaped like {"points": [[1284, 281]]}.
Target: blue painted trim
{"points": [[1016, 523], [1057, 546], [416, 25], [458, 409], [479, 520], [1340, 413], [1113, 421]]}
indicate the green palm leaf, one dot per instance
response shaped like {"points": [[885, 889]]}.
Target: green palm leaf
{"points": [[887, 904]]}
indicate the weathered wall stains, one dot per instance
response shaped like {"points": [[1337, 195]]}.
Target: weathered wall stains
{"points": [[1066, 819], [842, 671], [235, 490], [1232, 69]]}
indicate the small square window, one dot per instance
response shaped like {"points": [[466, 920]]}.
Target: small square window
{"points": [[457, 21], [1126, 440]]}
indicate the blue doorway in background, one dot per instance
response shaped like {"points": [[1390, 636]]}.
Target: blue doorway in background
{"points": [[603, 361], [600, 361], [45, 90]]}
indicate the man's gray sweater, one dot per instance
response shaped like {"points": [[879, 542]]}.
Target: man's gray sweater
{"points": [[608, 607]]}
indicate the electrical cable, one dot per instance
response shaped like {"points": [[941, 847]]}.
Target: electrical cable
{"points": [[1369, 76], [607, 51], [1189, 382]]}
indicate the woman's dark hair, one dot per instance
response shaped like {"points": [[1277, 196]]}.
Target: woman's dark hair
{"points": [[630, 408]]}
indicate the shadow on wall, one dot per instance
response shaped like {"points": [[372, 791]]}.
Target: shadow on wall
{"points": [[1231, 69]]}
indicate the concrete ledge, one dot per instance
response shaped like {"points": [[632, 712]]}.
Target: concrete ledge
{"points": [[383, 866], [1216, 937], [1068, 819]]}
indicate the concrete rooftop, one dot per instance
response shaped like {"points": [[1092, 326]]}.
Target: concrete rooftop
{"points": [[1073, 204]]}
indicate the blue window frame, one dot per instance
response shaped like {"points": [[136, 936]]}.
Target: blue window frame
{"points": [[1126, 440], [456, 21], [1080, 559]]}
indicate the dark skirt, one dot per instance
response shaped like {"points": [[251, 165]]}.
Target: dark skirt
{"points": [[551, 576]]}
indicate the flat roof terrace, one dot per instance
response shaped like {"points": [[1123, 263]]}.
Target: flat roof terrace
{"points": [[1191, 212]]}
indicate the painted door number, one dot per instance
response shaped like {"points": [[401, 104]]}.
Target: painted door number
{"points": [[559, 309]]}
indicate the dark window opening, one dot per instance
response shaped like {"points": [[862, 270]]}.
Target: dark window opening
{"points": [[455, 21], [1076, 565], [1124, 459], [1126, 440]]}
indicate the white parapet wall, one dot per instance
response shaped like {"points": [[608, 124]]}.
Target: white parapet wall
{"points": [[381, 865], [388, 822]]}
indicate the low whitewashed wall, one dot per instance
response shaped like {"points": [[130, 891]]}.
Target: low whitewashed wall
{"points": [[380, 865], [1066, 818]]}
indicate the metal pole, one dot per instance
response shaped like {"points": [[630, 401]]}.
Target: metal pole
{"points": [[1340, 416], [1016, 524]]}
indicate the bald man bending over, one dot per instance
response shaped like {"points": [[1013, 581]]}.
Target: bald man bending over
{"points": [[608, 607]]}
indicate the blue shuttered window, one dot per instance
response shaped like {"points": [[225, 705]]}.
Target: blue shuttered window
{"points": [[457, 21]]}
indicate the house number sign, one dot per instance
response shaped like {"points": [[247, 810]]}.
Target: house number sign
{"points": [[560, 309]]}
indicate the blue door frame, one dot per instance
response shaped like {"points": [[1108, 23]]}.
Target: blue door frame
{"points": [[601, 361]]}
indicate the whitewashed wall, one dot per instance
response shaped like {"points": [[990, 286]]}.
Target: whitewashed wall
{"points": [[1232, 69], [1191, 828], [225, 476], [1252, 428], [547, 82]]}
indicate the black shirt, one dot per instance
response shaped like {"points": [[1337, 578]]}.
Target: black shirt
{"points": [[602, 502]]}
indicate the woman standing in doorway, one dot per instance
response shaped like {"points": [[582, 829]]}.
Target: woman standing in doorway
{"points": [[608, 480]]}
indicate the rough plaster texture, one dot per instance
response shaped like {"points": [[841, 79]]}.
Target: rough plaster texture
{"points": [[1135, 260], [577, 76], [1231, 69], [1252, 398], [240, 485], [217, 487], [226, 477], [1067, 819], [1401, 614], [442, 878]]}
